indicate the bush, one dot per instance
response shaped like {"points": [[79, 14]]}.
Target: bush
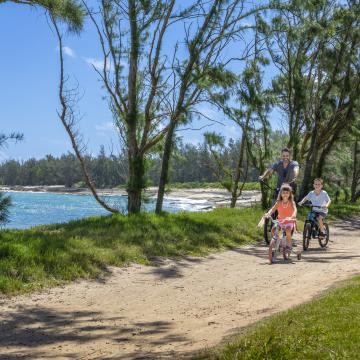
{"points": [[5, 203]]}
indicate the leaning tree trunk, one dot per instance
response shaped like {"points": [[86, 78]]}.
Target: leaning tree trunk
{"points": [[309, 165], [165, 164], [235, 187], [355, 174]]}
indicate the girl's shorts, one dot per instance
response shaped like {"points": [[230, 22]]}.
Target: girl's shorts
{"points": [[289, 225], [321, 214]]}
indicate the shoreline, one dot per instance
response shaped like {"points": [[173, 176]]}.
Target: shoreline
{"points": [[214, 197]]}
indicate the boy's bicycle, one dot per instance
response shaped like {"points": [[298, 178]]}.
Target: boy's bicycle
{"points": [[280, 245], [312, 229]]}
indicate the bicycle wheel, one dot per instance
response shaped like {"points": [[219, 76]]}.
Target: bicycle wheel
{"points": [[324, 240], [267, 231], [306, 235]]}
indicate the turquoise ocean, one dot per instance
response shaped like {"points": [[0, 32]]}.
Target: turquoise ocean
{"points": [[37, 208]]}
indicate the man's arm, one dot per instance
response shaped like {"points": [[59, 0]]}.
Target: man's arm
{"points": [[268, 172], [296, 172]]}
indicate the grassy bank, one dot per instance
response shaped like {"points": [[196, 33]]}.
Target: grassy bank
{"points": [[54, 254], [344, 210], [326, 328]]}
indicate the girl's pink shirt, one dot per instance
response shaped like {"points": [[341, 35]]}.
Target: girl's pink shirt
{"points": [[285, 210]]}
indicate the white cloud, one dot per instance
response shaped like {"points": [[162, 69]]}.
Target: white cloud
{"points": [[232, 131], [98, 64], [69, 52], [105, 126]]}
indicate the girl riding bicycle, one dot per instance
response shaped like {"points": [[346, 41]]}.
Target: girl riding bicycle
{"points": [[286, 208]]}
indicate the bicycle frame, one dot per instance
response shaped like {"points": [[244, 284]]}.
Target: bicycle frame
{"points": [[280, 242], [312, 228]]}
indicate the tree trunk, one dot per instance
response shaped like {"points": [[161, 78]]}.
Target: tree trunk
{"points": [[309, 165], [136, 182], [165, 167], [136, 159], [355, 179], [235, 187]]}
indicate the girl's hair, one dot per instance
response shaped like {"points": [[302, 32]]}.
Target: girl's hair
{"points": [[288, 188]]}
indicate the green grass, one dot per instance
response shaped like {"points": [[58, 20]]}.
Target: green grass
{"points": [[210, 185], [344, 210], [54, 254], [325, 328]]}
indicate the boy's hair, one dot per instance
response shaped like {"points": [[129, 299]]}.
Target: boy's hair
{"points": [[320, 180], [285, 149], [288, 188]]}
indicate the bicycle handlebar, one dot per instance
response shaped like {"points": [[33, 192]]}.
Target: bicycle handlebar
{"points": [[281, 221], [267, 185], [312, 206]]}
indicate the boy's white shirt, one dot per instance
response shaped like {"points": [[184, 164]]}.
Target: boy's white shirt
{"points": [[318, 200]]}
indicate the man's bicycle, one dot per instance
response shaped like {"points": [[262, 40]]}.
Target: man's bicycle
{"points": [[279, 244], [312, 229]]}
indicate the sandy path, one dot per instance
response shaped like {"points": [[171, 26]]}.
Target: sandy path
{"points": [[176, 308]]}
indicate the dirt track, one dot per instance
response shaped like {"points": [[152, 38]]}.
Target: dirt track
{"points": [[173, 309]]}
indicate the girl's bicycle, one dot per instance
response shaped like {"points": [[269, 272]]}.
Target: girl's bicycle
{"points": [[280, 243], [312, 229], [268, 224]]}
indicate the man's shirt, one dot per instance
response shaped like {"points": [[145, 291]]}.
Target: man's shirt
{"points": [[285, 175]]}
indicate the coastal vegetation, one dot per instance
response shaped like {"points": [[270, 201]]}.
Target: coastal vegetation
{"points": [[54, 254]]}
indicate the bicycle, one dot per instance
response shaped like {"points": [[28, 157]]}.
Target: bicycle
{"points": [[280, 245], [312, 229], [268, 224]]}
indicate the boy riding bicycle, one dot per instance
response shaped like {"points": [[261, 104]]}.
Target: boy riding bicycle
{"points": [[286, 208], [321, 200]]}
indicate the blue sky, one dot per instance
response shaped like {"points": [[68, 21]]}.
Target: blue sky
{"points": [[28, 87]]}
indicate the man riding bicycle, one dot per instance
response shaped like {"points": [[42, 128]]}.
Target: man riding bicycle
{"points": [[287, 171]]}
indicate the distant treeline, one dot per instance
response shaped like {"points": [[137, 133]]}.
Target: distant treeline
{"points": [[190, 163]]}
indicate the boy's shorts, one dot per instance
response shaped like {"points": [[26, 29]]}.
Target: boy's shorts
{"points": [[322, 214]]}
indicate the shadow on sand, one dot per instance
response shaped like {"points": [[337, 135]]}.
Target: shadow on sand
{"points": [[27, 329]]}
